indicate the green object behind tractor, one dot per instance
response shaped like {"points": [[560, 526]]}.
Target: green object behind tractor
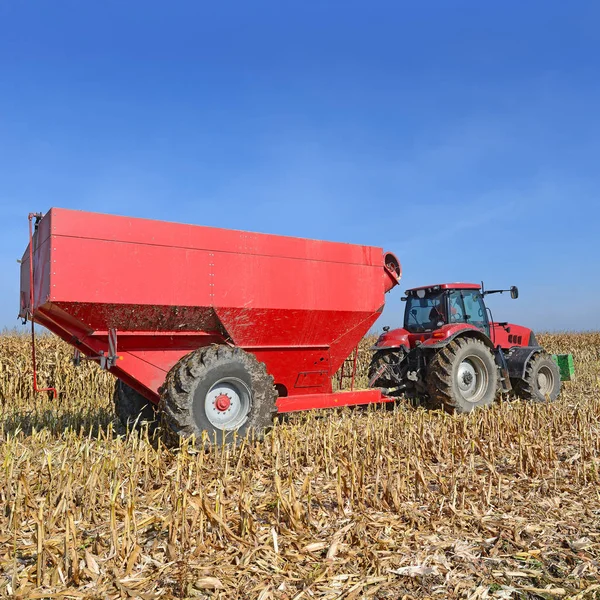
{"points": [[565, 366]]}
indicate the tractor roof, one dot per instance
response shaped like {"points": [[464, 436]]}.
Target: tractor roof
{"points": [[447, 286]]}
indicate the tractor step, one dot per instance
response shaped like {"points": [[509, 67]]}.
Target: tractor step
{"points": [[503, 374], [565, 365]]}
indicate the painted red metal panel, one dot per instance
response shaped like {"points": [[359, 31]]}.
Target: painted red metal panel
{"points": [[518, 335], [335, 400], [101, 272], [111, 228], [395, 338], [448, 286], [402, 337], [300, 305]]}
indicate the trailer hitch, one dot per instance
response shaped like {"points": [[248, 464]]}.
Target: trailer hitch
{"points": [[396, 372]]}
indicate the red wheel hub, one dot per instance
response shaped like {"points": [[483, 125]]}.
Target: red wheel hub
{"points": [[222, 402]]}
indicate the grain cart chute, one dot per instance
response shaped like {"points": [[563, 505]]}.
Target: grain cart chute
{"points": [[453, 355], [219, 328]]}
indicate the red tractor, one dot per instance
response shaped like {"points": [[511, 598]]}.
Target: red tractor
{"points": [[452, 355]]}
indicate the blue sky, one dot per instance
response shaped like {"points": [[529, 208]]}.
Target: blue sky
{"points": [[464, 136]]}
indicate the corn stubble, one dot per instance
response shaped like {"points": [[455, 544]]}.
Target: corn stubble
{"points": [[335, 504]]}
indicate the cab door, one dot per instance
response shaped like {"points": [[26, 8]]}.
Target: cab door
{"points": [[475, 312], [466, 306]]}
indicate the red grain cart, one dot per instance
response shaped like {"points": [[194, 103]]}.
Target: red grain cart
{"points": [[220, 329]]}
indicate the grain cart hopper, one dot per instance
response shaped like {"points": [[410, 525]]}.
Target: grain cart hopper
{"points": [[218, 328]]}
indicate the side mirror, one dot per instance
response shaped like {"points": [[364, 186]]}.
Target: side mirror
{"points": [[514, 292]]}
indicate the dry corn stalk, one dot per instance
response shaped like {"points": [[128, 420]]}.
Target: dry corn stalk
{"points": [[334, 504]]}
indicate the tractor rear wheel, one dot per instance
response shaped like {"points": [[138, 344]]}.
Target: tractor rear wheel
{"points": [[541, 381], [218, 390], [462, 376], [132, 408]]}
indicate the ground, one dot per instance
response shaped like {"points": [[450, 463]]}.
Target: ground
{"points": [[503, 503]]}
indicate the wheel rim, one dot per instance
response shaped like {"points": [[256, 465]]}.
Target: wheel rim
{"points": [[227, 403], [473, 379], [545, 381]]}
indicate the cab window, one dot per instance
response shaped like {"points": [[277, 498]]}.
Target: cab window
{"points": [[466, 306], [457, 310], [426, 313]]}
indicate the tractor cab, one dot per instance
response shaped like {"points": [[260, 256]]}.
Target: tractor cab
{"points": [[431, 308]]}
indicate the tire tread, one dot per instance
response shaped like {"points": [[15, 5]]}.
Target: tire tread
{"points": [[177, 396], [439, 375]]}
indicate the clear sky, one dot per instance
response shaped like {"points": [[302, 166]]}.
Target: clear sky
{"points": [[464, 136]]}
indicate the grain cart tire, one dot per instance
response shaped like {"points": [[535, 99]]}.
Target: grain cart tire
{"points": [[462, 376], [133, 409], [541, 381], [385, 358], [217, 390]]}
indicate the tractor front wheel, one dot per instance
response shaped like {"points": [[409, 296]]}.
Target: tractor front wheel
{"points": [[541, 381], [462, 376], [218, 390]]}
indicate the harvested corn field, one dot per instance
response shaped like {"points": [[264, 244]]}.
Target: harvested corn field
{"points": [[502, 503]]}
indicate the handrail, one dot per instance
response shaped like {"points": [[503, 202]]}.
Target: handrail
{"points": [[37, 217]]}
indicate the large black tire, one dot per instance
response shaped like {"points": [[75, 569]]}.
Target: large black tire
{"points": [[190, 396], [133, 409], [384, 358], [541, 381], [462, 376]]}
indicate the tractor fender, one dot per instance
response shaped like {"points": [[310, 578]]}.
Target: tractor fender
{"points": [[517, 359], [392, 340], [467, 332]]}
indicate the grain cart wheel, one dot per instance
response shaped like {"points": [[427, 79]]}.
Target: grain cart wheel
{"points": [[133, 409], [219, 390], [541, 381], [462, 376], [385, 358]]}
